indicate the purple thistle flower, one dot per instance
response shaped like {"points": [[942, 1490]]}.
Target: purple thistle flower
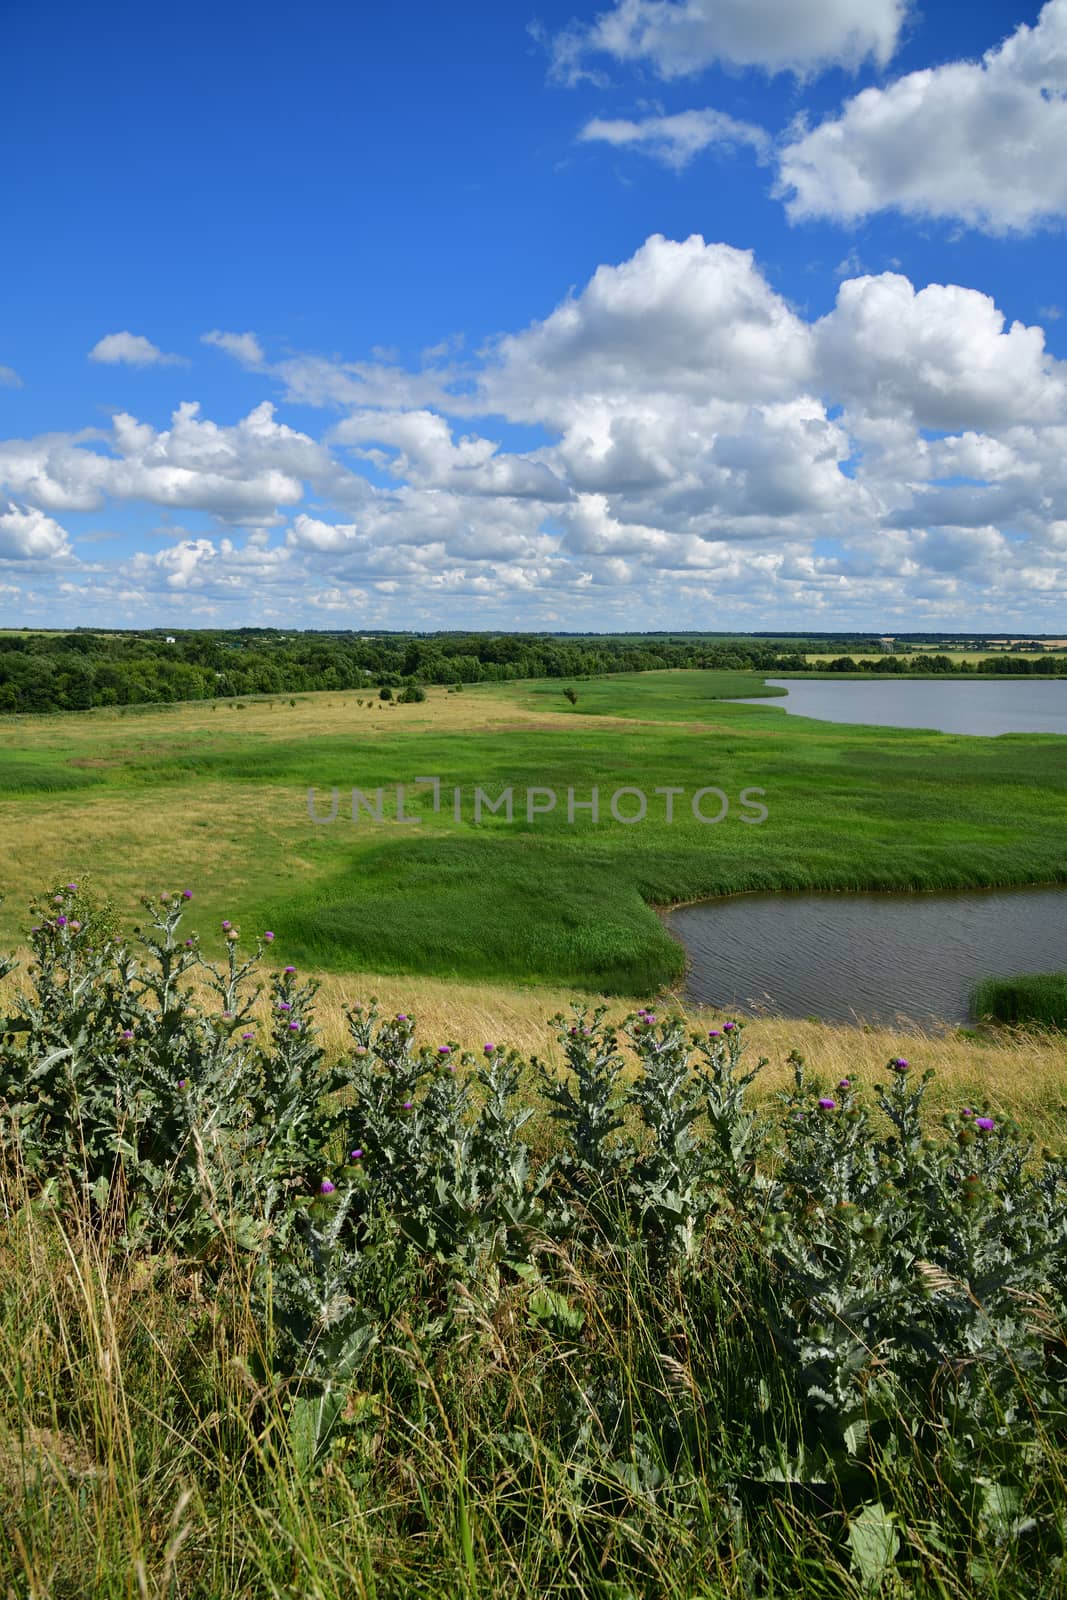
{"points": [[127, 1033], [294, 1027], [407, 1105], [826, 1104], [226, 926], [355, 1155], [283, 1005], [402, 1016], [444, 1049], [326, 1187], [187, 894], [61, 922], [985, 1123], [57, 899], [248, 1036], [488, 1048], [268, 937], [899, 1064], [181, 1083], [713, 1033], [966, 1112], [288, 969], [728, 1027], [73, 887], [845, 1083]]}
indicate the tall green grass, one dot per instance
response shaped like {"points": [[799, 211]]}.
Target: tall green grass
{"points": [[143, 1453], [1039, 997]]}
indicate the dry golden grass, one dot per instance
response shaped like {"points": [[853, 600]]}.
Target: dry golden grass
{"points": [[113, 732], [872, 652], [137, 841], [1013, 1073]]}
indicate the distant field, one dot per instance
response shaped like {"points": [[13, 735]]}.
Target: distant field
{"points": [[816, 658], [215, 798]]}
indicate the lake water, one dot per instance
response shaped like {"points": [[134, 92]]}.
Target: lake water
{"points": [[951, 705], [888, 958]]}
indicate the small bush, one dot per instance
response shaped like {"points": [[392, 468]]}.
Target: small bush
{"points": [[385, 693]]}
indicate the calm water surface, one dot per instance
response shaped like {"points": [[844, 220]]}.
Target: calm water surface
{"points": [[951, 705], [870, 957]]}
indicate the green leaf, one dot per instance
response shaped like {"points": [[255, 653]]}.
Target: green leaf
{"points": [[550, 1309], [856, 1437], [311, 1423], [874, 1543]]}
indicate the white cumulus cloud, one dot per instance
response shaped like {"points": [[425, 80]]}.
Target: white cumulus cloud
{"points": [[675, 140], [131, 350], [672, 441], [681, 37], [941, 355], [27, 534], [243, 347], [981, 142]]}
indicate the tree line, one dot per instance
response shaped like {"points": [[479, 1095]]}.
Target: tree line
{"points": [[42, 672]]}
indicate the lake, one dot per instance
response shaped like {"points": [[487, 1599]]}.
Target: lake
{"points": [[885, 958], [951, 705]]}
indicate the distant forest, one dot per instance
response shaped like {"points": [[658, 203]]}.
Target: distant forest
{"points": [[80, 670]]}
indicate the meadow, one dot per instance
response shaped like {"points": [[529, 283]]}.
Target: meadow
{"points": [[630, 1304], [216, 794]]}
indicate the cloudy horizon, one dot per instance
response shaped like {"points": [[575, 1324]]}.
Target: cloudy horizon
{"points": [[789, 357]]}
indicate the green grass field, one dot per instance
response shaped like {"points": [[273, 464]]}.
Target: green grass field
{"points": [[216, 799]]}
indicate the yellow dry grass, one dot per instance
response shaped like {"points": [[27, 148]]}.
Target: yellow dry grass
{"points": [[1013, 1073], [114, 732]]}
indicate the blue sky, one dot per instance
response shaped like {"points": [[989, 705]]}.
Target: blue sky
{"points": [[657, 313]]}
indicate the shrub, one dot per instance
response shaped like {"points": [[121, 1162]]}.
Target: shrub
{"points": [[385, 693]]}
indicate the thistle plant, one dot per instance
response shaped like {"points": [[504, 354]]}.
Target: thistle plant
{"points": [[671, 1184], [585, 1183], [904, 1281]]}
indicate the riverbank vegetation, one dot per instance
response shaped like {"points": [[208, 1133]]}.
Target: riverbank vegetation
{"points": [[395, 1319], [1033, 998], [135, 795]]}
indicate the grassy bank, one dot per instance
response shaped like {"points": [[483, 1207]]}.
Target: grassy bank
{"points": [[544, 900]]}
